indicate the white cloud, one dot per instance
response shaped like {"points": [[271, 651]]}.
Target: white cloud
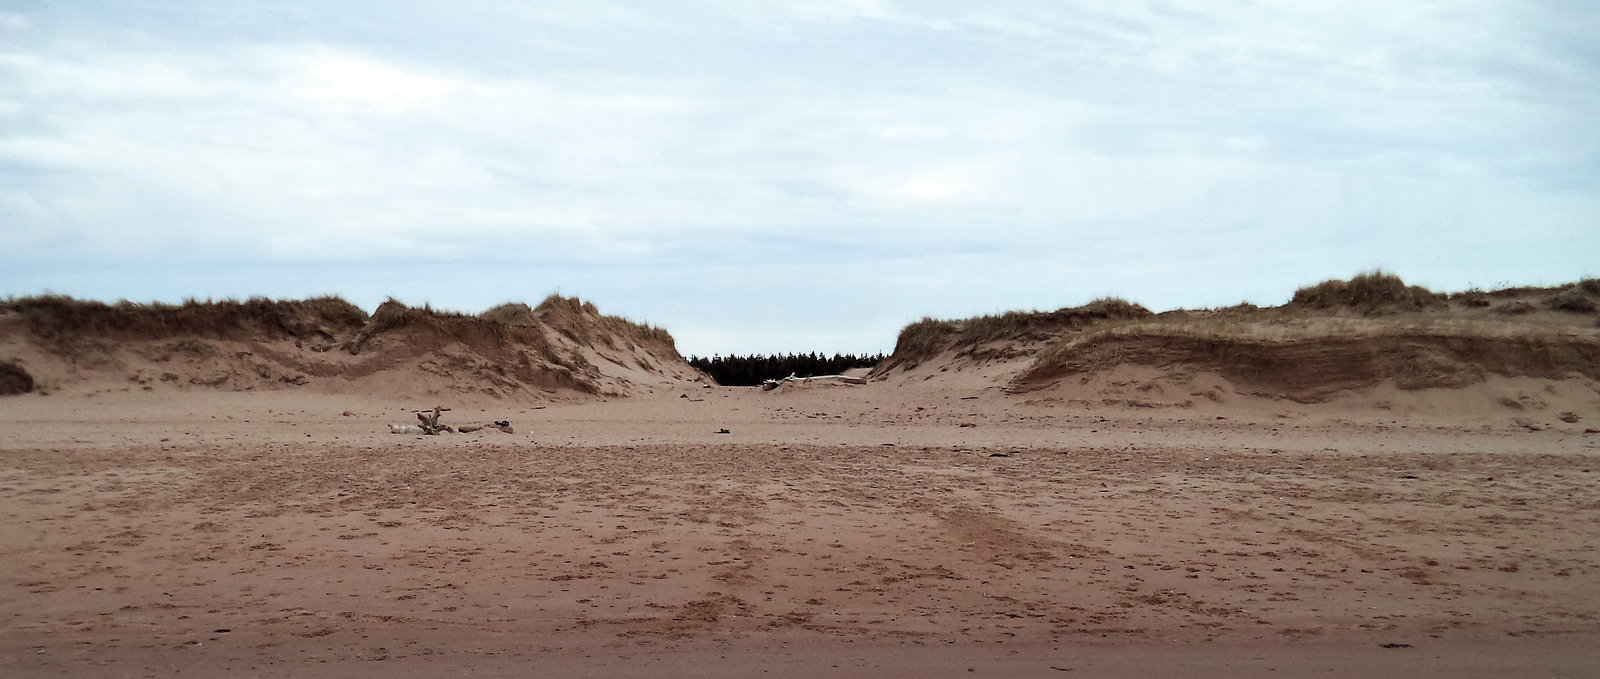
{"points": [[301, 145], [335, 78], [829, 10], [585, 142]]}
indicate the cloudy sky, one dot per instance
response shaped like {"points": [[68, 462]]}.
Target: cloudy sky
{"points": [[794, 175]]}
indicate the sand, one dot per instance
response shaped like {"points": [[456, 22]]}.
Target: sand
{"points": [[888, 530]]}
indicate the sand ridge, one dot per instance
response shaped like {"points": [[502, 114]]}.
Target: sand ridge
{"points": [[562, 349], [1330, 340]]}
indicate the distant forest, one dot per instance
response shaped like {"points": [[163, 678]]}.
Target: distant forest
{"points": [[749, 371]]}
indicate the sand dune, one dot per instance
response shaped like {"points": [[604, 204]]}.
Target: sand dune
{"points": [[1337, 341], [562, 348]]}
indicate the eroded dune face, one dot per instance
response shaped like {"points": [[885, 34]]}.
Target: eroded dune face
{"points": [[1373, 332], [561, 348], [1332, 340], [1320, 365]]}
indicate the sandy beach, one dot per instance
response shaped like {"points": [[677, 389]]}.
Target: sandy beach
{"points": [[836, 530]]}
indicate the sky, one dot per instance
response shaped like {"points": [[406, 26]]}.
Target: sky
{"points": [[768, 176]]}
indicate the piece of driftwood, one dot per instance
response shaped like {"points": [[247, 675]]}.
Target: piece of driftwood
{"points": [[429, 424], [502, 425], [769, 385], [430, 419]]}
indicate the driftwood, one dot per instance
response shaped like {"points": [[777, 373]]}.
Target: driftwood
{"points": [[429, 424], [430, 419], [769, 385]]}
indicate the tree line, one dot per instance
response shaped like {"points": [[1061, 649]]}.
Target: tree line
{"points": [[749, 371]]}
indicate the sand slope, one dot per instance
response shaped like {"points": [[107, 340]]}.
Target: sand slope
{"points": [[562, 348], [1339, 341]]}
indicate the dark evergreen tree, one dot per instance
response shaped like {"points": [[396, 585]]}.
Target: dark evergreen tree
{"points": [[749, 371]]}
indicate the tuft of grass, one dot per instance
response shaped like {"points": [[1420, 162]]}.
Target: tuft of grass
{"points": [[425, 324], [1472, 299], [1370, 292], [557, 303], [922, 340], [14, 379], [510, 313], [583, 322], [1574, 299], [930, 337], [1516, 308], [1020, 325]]}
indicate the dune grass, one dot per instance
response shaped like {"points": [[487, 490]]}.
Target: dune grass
{"points": [[14, 379], [1370, 292], [930, 337], [62, 316]]}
